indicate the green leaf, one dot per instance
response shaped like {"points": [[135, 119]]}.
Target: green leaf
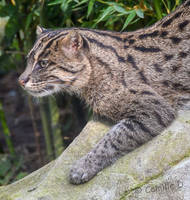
{"points": [[134, 21], [28, 21], [64, 6], [55, 2], [120, 9], [140, 13], [90, 7], [106, 12], [158, 9], [129, 19], [80, 3]]}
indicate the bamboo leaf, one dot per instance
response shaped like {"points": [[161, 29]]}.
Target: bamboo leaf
{"points": [[158, 8], [55, 2], [129, 19], [120, 9], [80, 3], [90, 7], [28, 21], [106, 12], [64, 6], [140, 13]]}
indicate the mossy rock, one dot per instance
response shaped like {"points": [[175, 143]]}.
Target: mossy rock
{"points": [[164, 159]]}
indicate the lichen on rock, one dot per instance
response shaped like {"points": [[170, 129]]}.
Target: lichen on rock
{"points": [[145, 173]]}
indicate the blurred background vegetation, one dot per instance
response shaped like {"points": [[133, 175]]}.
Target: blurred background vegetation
{"points": [[33, 132]]}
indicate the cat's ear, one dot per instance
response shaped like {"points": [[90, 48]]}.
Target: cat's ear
{"points": [[40, 30], [72, 43]]}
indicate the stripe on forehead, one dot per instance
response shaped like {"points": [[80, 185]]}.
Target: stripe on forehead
{"points": [[37, 43], [49, 43], [41, 45]]}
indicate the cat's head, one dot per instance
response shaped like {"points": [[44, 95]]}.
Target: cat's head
{"points": [[57, 61]]}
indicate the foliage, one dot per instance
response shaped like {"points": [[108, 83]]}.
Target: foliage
{"points": [[113, 15], [10, 168]]}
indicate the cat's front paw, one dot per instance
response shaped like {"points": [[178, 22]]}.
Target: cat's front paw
{"points": [[81, 171]]}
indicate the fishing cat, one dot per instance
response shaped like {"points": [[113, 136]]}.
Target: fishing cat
{"points": [[137, 79]]}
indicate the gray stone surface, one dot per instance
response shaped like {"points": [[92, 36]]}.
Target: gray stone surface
{"points": [[172, 185], [159, 169]]}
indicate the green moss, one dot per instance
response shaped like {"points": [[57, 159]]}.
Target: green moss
{"points": [[146, 181], [166, 150], [174, 163]]}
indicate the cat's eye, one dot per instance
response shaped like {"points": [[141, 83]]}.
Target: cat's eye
{"points": [[37, 67], [43, 63]]}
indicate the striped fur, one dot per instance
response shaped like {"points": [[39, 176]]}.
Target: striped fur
{"points": [[138, 79]]}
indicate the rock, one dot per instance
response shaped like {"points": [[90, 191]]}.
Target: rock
{"points": [[159, 169], [173, 185]]}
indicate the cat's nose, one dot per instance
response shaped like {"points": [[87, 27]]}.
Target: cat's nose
{"points": [[23, 81]]}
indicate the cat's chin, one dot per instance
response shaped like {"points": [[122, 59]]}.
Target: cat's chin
{"points": [[44, 92], [39, 94]]}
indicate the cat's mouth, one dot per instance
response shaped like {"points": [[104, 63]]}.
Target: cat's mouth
{"points": [[42, 90]]}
